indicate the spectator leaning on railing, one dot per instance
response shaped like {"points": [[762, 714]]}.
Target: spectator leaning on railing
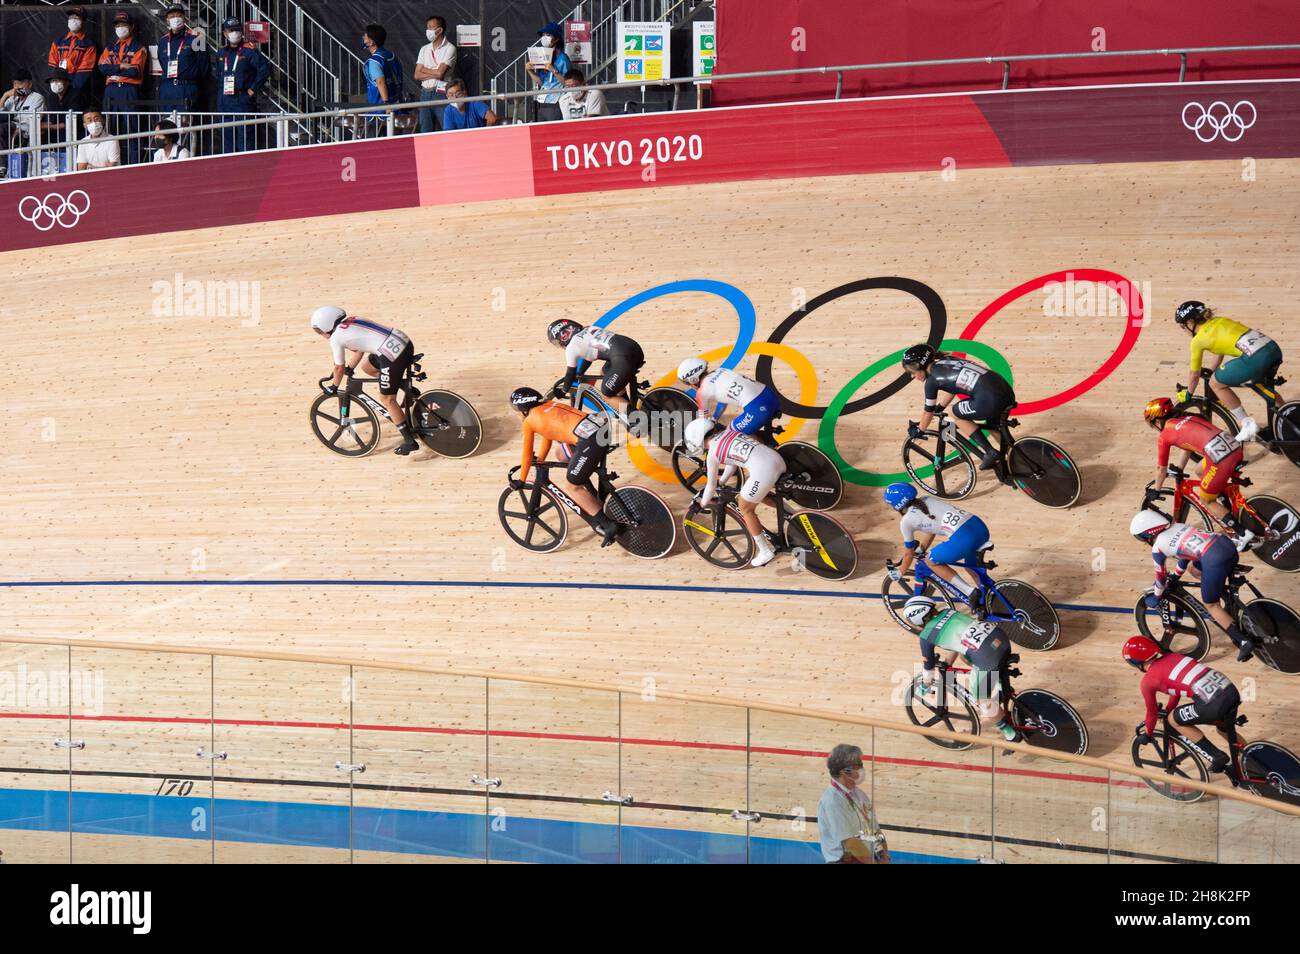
{"points": [[183, 59], [167, 139], [434, 67], [77, 54], [459, 114], [850, 834], [243, 75], [577, 102], [550, 76], [123, 66], [96, 151]]}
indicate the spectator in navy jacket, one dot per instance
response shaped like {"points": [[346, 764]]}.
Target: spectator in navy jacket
{"points": [[123, 65], [183, 57], [78, 55], [242, 73]]}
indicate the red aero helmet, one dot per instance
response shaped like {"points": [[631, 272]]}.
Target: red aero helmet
{"points": [[1139, 650]]}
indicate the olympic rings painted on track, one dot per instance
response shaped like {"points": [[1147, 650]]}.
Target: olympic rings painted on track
{"points": [[745, 315], [826, 432], [1132, 328], [922, 292]]}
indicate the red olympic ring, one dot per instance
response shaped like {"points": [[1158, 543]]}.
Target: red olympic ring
{"points": [[1132, 327]]}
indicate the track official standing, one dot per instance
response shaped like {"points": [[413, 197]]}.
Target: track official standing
{"points": [[77, 54], [850, 834], [242, 74], [183, 57], [123, 65]]}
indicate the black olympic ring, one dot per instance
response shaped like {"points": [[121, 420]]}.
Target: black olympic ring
{"points": [[919, 290]]}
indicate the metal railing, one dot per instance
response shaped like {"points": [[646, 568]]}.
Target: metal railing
{"points": [[392, 119]]}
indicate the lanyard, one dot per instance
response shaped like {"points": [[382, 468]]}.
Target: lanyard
{"points": [[225, 60], [857, 806]]}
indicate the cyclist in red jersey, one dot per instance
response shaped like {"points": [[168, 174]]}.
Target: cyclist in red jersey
{"points": [[1189, 433], [1197, 695]]}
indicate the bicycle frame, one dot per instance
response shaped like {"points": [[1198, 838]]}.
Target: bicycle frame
{"points": [[925, 572], [1267, 392], [948, 432], [603, 489]]}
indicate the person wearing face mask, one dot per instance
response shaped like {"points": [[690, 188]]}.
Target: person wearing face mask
{"points": [[434, 66], [578, 102], [846, 821], [123, 65], [77, 55], [462, 115], [54, 121], [551, 76], [97, 151], [383, 74], [168, 142], [20, 130], [183, 60], [243, 74]]}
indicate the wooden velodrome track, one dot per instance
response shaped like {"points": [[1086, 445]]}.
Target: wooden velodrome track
{"points": [[151, 449]]}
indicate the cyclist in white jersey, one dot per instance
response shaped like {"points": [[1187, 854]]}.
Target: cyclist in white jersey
{"points": [[928, 517], [386, 353], [726, 450], [622, 356], [757, 405]]}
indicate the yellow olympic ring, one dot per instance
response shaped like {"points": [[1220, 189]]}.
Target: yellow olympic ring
{"points": [[803, 369]]}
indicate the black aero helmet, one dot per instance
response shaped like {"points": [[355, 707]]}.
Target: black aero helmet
{"points": [[1191, 311], [918, 357], [561, 330], [524, 400]]}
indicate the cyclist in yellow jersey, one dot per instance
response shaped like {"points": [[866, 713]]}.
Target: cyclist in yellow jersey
{"points": [[1253, 357]]}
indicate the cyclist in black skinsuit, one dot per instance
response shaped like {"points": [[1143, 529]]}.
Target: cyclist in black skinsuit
{"points": [[988, 394]]}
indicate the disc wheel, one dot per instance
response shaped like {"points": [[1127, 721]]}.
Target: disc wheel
{"points": [[650, 530], [448, 424], [822, 545], [667, 411], [1037, 626], [345, 425], [1276, 630], [1279, 523], [1272, 771], [811, 481], [1052, 722], [1286, 429], [1045, 472]]}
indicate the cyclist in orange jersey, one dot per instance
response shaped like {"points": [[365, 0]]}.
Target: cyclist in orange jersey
{"points": [[588, 437]]}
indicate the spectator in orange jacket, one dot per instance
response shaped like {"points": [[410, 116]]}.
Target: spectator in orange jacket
{"points": [[123, 65], [77, 54]]}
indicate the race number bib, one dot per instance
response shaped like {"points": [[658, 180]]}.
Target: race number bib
{"points": [[733, 392], [599, 337], [589, 426], [739, 451], [974, 636], [1220, 446], [1252, 341], [1206, 688], [951, 520], [394, 345], [967, 378]]}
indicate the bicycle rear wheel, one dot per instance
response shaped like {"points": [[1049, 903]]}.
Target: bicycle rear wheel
{"points": [[541, 530], [1280, 627], [895, 596], [1282, 552], [815, 483], [448, 424], [1286, 429], [827, 548], [1037, 626], [719, 535], [1184, 631], [954, 476], [668, 411], [947, 707], [344, 424], [1183, 764], [1045, 472], [651, 530], [1051, 721], [1271, 771]]}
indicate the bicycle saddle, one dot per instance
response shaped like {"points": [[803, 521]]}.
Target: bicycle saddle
{"points": [[417, 357], [1242, 569]]}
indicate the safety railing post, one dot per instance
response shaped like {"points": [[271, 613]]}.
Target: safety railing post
{"points": [[1182, 67], [1006, 74], [839, 84], [390, 123], [282, 134], [70, 137]]}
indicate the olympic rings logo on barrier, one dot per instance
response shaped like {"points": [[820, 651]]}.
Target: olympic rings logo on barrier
{"points": [[840, 405], [1221, 119], [44, 214]]}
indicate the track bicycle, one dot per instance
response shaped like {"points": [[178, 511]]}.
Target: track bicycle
{"points": [[1279, 435]]}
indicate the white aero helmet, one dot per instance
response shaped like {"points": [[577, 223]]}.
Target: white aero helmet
{"points": [[917, 610], [697, 432], [691, 370], [1147, 524], [326, 317]]}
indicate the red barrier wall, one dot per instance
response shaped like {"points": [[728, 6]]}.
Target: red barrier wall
{"points": [[754, 35], [919, 133]]}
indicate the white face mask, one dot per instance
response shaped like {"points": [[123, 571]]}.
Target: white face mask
{"points": [[57, 88], [548, 40], [122, 32], [431, 35], [94, 128], [234, 37], [176, 24], [577, 93], [74, 26]]}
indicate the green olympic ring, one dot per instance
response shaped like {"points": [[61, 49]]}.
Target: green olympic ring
{"points": [[826, 431]]}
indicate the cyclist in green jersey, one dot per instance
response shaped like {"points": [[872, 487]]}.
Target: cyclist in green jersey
{"points": [[983, 645]]}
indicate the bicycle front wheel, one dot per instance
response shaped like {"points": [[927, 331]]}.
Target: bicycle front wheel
{"points": [[719, 535], [1045, 472], [947, 707], [1271, 772], [344, 424], [1049, 722], [1286, 430], [1182, 763], [1277, 516], [650, 530], [813, 481], [1035, 625], [895, 597], [541, 529], [1276, 631], [667, 412], [448, 424], [954, 473], [1191, 512], [1175, 625], [824, 546]]}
